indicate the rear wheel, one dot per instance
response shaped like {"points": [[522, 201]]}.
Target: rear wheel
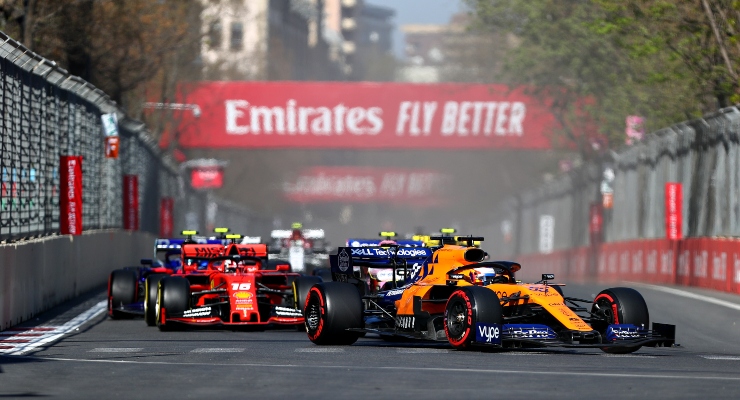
{"points": [[150, 298], [332, 308], [619, 305], [466, 307], [173, 296], [122, 288]]}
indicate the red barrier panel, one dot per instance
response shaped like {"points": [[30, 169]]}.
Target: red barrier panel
{"points": [[70, 195], [166, 225], [131, 202], [712, 263]]}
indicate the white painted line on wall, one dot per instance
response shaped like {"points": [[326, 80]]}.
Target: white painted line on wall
{"points": [[690, 295], [57, 332]]}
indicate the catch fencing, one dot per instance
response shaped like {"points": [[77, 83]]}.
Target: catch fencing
{"points": [[702, 155], [46, 113]]}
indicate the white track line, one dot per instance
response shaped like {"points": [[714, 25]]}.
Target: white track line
{"points": [[319, 350], [729, 358], [523, 372], [217, 350], [116, 350], [422, 351], [690, 295], [627, 356], [62, 330]]}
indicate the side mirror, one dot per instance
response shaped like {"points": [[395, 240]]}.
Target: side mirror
{"points": [[283, 267], [548, 277], [146, 261]]}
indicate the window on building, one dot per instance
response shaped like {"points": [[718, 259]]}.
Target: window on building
{"points": [[237, 35], [214, 34]]}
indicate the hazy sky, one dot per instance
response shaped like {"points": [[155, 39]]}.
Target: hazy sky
{"points": [[418, 12]]}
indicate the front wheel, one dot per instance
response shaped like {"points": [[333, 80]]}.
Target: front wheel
{"points": [[465, 308], [173, 296], [151, 285], [332, 308], [619, 305]]}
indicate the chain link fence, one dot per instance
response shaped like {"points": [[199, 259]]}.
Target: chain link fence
{"points": [[47, 113], [700, 154]]}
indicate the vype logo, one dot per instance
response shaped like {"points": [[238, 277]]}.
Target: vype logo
{"points": [[488, 333]]}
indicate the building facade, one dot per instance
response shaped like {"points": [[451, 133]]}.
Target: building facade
{"points": [[271, 40]]}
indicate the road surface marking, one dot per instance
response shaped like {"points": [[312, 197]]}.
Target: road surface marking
{"points": [[116, 350], [731, 358], [319, 350], [54, 333], [422, 351], [217, 350], [445, 371], [690, 295]]}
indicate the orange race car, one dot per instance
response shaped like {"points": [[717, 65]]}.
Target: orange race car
{"points": [[452, 294], [227, 285]]}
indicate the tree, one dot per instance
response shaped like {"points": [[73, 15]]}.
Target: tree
{"points": [[121, 46], [637, 57]]}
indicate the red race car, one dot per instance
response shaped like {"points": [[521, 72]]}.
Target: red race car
{"points": [[226, 285]]}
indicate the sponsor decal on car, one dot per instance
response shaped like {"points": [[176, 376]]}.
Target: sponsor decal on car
{"points": [[487, 333], [287, 312], [624, 331], [529, 331], [343, 260], [243, 295], [394, 292], [197, 312], [405, 322]]}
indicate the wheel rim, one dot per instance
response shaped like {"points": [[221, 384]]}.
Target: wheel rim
{"points": [[456, 319], [605, 311]]}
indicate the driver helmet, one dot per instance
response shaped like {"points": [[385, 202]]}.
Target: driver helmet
{"points": [[387, 242]]}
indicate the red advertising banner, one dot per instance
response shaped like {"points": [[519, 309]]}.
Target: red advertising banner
{"points": [[70, 195], [673, 208], [131, 202], [207, 177], [166, 224], [366, 184], [363, 115], [112, 145], [596, 220]]}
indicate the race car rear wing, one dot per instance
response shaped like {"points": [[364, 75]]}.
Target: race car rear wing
{"points": [[347, 258], [376, 242]]}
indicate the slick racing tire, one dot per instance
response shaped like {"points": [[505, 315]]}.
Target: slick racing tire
{"points": [[619, 305], [151, 286], [122, 290], [173, 296], [332, 308], [301, 286], [465, 308]]}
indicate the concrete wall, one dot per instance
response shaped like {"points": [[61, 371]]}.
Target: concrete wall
{"points": [[36, 275]]}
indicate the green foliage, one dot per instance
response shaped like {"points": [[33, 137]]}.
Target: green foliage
{"points": [[655, 58]]}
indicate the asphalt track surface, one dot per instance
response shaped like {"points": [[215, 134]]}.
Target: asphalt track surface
{"points": [[104, 358]]}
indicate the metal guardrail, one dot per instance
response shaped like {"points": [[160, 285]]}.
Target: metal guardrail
{"points": [[46, 113], [703, 155]]}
